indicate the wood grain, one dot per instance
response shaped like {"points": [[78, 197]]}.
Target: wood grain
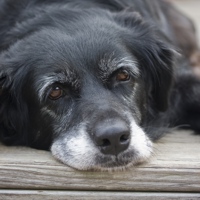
{"points": [[175, 166]]}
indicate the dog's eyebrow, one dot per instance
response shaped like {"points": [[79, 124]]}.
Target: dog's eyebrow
{"points": [[45, 81], [108, 65]]}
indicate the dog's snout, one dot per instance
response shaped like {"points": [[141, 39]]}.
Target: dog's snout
{"points": [[112, 138]]}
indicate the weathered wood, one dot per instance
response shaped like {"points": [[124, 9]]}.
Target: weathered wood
{"points": [[71, 195], [175, 166]]}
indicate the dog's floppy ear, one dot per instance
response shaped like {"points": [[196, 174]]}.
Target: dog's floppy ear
{"points": [[160, 69], [154, 57], [11, 110], [128, 18], [156, 62], [5, 81], [6, 130], [1, 85]]}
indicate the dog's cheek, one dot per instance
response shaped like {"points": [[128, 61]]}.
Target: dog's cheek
{"points": [[140, 100], [140, 143], [75, 149], [41, 130], [1, 90], [136, 101]]}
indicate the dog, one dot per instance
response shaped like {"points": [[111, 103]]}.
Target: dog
{"points": [[95, 81]]}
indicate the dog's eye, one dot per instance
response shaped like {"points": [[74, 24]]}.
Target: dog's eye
{"points": [[122, 75], [55, 93]]}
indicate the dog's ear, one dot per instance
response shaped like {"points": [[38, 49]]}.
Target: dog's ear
{"points": [[5, 82], [6, 130], [2, 80], [155, 60], [128, 18], [154, 56], [161, 72], [11, 110]]}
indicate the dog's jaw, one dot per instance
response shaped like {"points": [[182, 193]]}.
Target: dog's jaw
{"points": [[80, 152]]}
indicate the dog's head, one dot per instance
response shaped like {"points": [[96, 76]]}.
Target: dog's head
{"points": [[84, 89]]}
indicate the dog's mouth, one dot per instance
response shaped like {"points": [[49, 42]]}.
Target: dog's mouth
{"points": [[118, 163], [101, 162]]}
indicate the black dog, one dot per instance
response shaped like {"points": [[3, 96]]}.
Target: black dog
{"points": [[95, 81]]}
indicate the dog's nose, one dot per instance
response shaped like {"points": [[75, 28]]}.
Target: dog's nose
{"points": [[112, 138]]}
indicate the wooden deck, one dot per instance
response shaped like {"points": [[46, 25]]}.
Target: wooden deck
{"points": [[173, 172], [174, 167]]}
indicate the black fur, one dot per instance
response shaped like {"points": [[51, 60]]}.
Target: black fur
{"points": [[64, 41]]}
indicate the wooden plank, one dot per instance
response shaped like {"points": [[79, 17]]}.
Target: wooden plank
{"points": [[71, 195], [175, 166]]}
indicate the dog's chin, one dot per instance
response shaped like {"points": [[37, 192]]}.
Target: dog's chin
{"points": [[117, 165], [108, 163]]}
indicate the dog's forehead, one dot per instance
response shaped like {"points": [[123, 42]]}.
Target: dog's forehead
{"points": [[58, 52], [104, 65], [57, 57]]}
